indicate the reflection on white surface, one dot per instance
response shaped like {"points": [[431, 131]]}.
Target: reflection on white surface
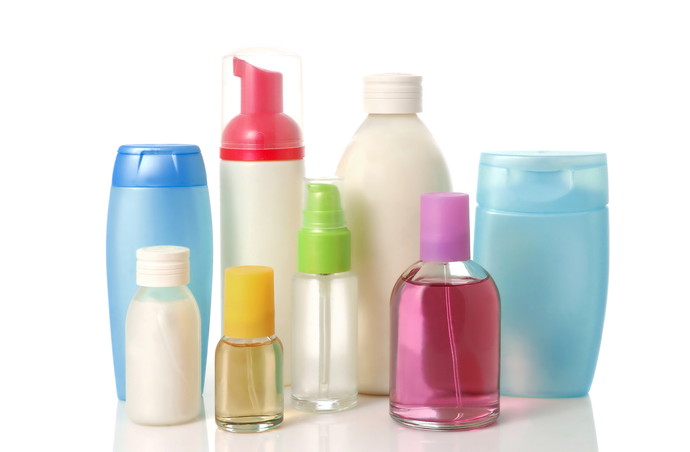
{"points": [[547, 425], [535, 425], [365, 427], [131, 437]]}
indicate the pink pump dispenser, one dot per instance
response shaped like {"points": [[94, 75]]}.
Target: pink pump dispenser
{"points": [[262, 90], [262, 170], [261, 131]]}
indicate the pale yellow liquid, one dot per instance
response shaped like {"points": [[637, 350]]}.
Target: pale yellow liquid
{"points": [[249, 384]]}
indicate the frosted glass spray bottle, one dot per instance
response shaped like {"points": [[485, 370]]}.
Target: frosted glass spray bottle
{"points": [[163, 340], [445, 327], [159, 196], [542, 233], [324, 310], [249, 357], [390, 162], [262, 168]]}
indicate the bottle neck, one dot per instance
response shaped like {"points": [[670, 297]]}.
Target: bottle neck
{"points": [[441, 271], [250, 342], [397, 115], [170, 293]]}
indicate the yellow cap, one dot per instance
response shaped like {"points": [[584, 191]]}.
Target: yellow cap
{"points": [[249, 310]]}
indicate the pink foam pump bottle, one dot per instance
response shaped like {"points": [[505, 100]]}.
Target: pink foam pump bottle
{"points": [[445, 327], [262, 171]]}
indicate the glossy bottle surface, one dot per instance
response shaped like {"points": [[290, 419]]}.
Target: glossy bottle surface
{"points": [[542, 232], [249, 386], [159, 196], [391, 161], [163, 352], [445, 325], [553, 274], [324, 371]]}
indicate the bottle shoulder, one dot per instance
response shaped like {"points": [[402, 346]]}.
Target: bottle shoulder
{"points": [[381, 151], [327, 277], [175, 293], [453, 273], [394, 128], [164, 306], [270, 341]]}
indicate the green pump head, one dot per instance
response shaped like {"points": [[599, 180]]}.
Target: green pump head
{"points": [[323, 241]]}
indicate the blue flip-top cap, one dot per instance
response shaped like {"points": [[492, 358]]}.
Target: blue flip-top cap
{"points": [[159, 165], [542, 181]]}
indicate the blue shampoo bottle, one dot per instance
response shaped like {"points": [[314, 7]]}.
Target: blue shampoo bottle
{"points": [[542, 233], [159, 196]]}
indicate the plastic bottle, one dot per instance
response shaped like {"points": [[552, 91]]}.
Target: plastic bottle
{"points": [[542, 232], [445, 327], [249, 357], [324, 307], [163, 340], [159, 196], [391, 161], [262, 168]]}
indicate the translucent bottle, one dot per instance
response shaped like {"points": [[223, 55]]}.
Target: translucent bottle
{"points": [[324, 307], [445, 327], [391, 161], [542, 230], [249, 357], [158, 196], [163, 340]]}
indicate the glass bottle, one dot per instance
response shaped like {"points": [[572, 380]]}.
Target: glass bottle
{"points": [[445, 324], [249, 357], [163, 340], [324, 315]]}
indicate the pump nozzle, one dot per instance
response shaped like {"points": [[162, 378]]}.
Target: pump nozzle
{"points": [[323, 208], [262, 90], [323, 241], [261, 131]]}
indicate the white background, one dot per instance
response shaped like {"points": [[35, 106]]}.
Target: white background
{"points": [[80, 78]]}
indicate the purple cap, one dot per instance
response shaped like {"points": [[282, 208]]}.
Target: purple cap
{"points": [[444, 227]]}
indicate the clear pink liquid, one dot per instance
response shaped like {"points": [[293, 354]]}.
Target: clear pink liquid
{"points": [[445, 352]]}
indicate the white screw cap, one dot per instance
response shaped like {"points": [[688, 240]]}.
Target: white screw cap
{"points": [[163, 266], [393, 93]]}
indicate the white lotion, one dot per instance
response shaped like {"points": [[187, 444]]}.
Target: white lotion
{"points": [[163, 341], [391, 161]]}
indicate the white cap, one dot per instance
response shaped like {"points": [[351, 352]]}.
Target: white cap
{"points": [[393, 93], [163, 266]]}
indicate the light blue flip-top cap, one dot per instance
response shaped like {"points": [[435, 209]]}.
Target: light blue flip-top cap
{"points": [[542, 181], [159, 165]]}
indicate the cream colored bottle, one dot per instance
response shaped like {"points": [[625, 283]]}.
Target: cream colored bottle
{"points": [[391, 161]]}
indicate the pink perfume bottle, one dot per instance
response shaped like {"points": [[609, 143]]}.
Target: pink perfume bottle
{"points": [[445, 327]]}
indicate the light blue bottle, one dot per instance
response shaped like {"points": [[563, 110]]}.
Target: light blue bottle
{"points": [[159, 196], [542, 233]]}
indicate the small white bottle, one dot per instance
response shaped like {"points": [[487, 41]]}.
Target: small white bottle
{"points": [[324, 310], [163, 340], [391, 161]]}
